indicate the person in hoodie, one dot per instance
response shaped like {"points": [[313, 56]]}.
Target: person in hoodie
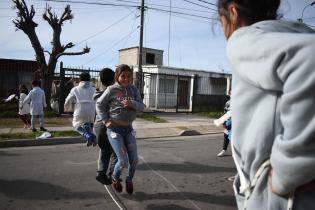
{"points": [[272, 105], [81, 98], [37, 102], [117, 109], [107, 158]]}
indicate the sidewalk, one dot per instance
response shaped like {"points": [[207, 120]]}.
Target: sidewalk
{"points": [[178, 124]]}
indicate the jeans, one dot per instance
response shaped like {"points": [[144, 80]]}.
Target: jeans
{"points": [[86, 130], [107, 157], [123, 141], [41, 120]]}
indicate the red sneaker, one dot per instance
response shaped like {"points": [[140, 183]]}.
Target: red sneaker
{"points": [[117, 185], [129, 187]]}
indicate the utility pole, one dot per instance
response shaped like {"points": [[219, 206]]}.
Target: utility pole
{"points": [[140, 72]]}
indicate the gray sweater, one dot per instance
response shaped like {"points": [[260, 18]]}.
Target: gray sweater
{"points": [[273, 109], [109, 105]]}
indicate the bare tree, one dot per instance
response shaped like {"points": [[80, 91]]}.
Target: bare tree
{"points": [[25, 22]]}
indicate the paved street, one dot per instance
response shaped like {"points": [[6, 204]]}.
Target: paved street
{"points": [[173, 173]]}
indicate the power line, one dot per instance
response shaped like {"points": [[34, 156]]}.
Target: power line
{"points": [[116, 43], [199, 5], [181, 13], [92, 3], [207, 2], [105, 29], [123, 5]]}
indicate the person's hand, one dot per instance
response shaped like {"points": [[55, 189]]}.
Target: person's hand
{"points": [[108, 123], [270, 185], [126, 104]]}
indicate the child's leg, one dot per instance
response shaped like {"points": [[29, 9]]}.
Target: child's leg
{"points": [[112, 162], [116, 141], [41, 121], [33, 121], [226, 141], [105, 148], [27, 117], [22, 117], [132, 150]]}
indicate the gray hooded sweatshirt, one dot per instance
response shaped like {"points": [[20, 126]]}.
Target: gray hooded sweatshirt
{"points": [[109, 105], [273, 109]]}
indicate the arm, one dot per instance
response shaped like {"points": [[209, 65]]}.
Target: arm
{"points": [[70, 100], [293, 157], [27, 99], [102, 105], [137, 103]]}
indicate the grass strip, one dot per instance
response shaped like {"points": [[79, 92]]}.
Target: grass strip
{"points": [[31, 135]]}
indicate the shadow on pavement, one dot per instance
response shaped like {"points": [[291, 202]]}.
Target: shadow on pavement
{"points": [[187, 167], [224, 200], [33, 190]]}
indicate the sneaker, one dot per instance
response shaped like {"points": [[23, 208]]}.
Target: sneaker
{"points": [[117, 185], [42, 129], [129, 187], [221, 154], [89, 138], [34, 130], [103, 178], [231, 178]]}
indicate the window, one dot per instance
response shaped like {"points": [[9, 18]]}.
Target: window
{"points": [[150, 58], [218, 81], [166, 85]]}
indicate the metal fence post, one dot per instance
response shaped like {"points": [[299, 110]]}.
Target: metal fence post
{"points": [[62, 87]]}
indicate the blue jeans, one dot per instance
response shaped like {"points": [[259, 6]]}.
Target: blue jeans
{"points": [[86, 130], [41, 120], [123, 141]]}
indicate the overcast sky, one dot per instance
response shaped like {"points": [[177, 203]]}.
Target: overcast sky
{"points": [[195, 39]]}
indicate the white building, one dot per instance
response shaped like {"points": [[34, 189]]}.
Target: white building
{"points": [[170, 87]]}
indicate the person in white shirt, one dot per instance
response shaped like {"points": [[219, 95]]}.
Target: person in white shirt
{"points": [[81, 97], [36, 99]]}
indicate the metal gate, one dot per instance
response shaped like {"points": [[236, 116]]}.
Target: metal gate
{"points": [[168, 93]]}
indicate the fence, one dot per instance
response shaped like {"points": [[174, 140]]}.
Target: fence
{"points": [[65, 80], [161, 92]]}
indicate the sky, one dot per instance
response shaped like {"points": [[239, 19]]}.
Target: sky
{"points": [[190, 36]]}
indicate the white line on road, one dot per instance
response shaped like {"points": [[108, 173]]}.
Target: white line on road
{"points": [[113, 198], [170, 183]]}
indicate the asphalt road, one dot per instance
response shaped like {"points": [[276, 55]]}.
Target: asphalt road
{"points": [[179, 173]]}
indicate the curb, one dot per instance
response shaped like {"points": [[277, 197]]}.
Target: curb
{"points": [[40, 142], [77, 140]]}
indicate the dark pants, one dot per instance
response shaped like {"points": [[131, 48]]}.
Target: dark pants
{"points": [[107, 157], [25, 118], [226, 141]]}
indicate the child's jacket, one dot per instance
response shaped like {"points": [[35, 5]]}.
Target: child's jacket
{"points": [[273, 111], [109, 105], [81, 97]]}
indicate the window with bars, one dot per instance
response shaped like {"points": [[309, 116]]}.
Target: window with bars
{"points": [[166, 85]]}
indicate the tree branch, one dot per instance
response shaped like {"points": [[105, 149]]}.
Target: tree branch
{"points": [[84, 51], [66, 15], [47, 52]]}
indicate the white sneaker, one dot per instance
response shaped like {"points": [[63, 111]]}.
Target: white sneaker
{"points": [[221, 154], [231, 178]]}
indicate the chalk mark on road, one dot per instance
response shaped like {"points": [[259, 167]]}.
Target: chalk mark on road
{"points": [[170, 183]]}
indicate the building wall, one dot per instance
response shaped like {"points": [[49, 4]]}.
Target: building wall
{"points": [[129, 56], [15, 72]]}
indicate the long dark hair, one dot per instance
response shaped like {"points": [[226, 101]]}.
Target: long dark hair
{"points": [[23, 89], [251, 11]]}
